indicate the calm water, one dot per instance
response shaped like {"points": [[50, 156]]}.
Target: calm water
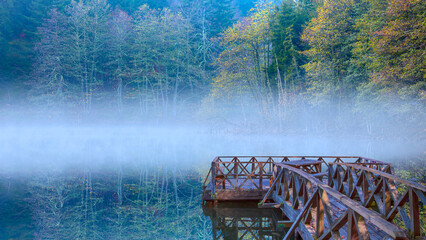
{"points": [[141, 183]]}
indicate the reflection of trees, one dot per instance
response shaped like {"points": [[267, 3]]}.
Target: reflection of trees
{"points": [[125, 204]]}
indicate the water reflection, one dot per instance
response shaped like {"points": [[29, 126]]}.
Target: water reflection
{"points": [[129, 203], [238, 220], [139, 183]]}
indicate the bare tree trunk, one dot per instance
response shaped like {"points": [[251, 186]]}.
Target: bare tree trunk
{"points": [[175, 96], [140, 183], [167, 192], [176, 193], [281, 97], [120, 186], [120, 95]]}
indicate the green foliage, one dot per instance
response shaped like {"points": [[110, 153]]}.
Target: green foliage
{"points": [[343, 57], [331, 36], [149, 58], [132, 5], [413, 169], [244, 60], [287, 25], [220, 16], [164, 62], [18, 26], [363, 58], [395, 39]]}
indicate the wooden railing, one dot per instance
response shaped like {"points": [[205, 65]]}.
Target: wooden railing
{"points": [[306, 201], [378, 190], [234, 173], [256, 172], [236, 166]]}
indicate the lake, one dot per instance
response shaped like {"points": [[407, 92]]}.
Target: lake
{"points": [[143, 182]]}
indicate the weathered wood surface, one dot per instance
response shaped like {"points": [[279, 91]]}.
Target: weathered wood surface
{"points": [[306, 201], [300, 163], [250, 172], [241, 212], [249, 179], [227, 192], [378, 190], [354, 200], [308, 165]]}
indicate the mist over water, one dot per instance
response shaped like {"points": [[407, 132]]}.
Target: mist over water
{"points": [[112, 111], [26, 149], [137, 181], [110, 176]]}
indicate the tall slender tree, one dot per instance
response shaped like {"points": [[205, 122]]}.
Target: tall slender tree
{"points": [[49, 77], [119, 45]]}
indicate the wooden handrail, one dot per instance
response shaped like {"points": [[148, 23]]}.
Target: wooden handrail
{"points": [[240, 162], [276, 156], [301, 196], [356, 184], [386, 175], [369, 186], [271, 189], [205, 180], [223, 160]]}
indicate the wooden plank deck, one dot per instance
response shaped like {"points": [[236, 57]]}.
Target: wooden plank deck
{"points": [[336, 203], [338, 209], [245, 184], [247, 191]]}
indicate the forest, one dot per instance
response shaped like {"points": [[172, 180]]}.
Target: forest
{"points": [[269, 65], [85, 86]]}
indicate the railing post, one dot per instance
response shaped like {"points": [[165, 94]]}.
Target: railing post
{"points": [[236, 173], [252, 164], [261, 175], [414, 213], [319, 223], [214, 179]]}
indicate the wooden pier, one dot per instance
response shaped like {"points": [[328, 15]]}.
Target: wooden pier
{"points": [[323, 197]]}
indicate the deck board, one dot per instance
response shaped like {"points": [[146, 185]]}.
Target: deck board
{"points": [[250, 180]]}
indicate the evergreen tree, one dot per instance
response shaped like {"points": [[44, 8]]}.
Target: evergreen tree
{"points": [[244, 6], [4, 31], [17, 57], [132, 5], [287, 25], [21, 28], [220, 16], [37, 11]]}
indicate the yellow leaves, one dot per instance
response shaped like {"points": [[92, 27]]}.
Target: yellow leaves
{"points": [[398, 43], [252, 30], [245, 44], [332, 21]]}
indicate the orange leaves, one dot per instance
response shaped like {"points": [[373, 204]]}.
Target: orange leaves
{"points": [[400, 42], [398, 6]]}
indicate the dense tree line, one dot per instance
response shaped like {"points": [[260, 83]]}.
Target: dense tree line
{"points": [[19, 21], [347, 63], [149, 53], [360, 63]]}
